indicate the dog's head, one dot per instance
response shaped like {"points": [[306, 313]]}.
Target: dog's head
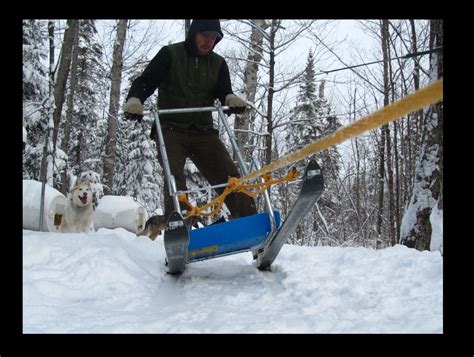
{"points": [[81, 193]]}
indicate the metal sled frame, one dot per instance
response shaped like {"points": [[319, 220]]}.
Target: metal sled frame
{"points": [[273, 216]]}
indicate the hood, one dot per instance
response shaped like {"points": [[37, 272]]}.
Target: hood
{"points": [[203, 25]]}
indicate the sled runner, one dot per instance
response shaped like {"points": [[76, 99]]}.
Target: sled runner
{"points": [[263, 234]]}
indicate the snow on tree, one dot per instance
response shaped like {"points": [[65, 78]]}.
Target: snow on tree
{"points": [[139, 169], [80, 130], [35, 94], [416, 229], [311, 120]]}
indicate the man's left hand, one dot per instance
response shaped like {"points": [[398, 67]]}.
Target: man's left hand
{"points": [[236, 104]]}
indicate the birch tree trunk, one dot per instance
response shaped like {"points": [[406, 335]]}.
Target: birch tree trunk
{"points": [[63, 72], [70, 106], [116, 74], [383, 131], [46, 160], [427, 193], [388, 87], [47, 166], [46, 175], [271, 88], [242, 122], [412, 123], [357, 155]]}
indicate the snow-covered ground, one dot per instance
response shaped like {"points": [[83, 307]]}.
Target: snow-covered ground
{"points": [[111, 281]]}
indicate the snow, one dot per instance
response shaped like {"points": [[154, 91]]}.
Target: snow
{"points": [[54, 202], [119, 212], [436, 220], [111, 281]]}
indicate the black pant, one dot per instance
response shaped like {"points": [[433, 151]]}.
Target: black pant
{"points": [[211, 158]]}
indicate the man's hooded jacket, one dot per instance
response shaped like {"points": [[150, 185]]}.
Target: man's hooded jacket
{"points": [[185, 80]]}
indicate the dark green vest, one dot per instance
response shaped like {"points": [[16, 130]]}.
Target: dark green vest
{"points": [[191, 82]]}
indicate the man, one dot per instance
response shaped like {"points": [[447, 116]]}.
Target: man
{"points": [[189, 74]]}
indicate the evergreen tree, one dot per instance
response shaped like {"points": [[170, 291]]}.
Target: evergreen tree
{"points": [[311, 120], [84, 148], [141, 166], [138, 173], [35, 73], [35, 94], [307, 90]]}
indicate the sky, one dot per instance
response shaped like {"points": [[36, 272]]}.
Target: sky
{"points": [[112, 281]]}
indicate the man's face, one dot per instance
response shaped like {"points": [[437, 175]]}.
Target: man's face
{"points": [[204, 43]]}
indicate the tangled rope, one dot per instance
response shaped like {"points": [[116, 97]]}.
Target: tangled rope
{"points": [[234, 185]]}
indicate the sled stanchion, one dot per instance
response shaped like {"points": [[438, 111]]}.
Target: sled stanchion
{"points": [[240, 159], [268, 206], [166, 165], [243, 166]]}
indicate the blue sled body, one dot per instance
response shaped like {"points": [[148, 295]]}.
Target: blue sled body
{"points": [[238, 235]]}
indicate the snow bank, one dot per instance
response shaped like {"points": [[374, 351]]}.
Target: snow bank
{"points": [[54, 202], [436, 220], [120, 212]]}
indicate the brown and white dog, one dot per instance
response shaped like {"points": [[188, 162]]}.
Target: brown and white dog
{"points": [[79, 210], [155, 224], [153, 227]]}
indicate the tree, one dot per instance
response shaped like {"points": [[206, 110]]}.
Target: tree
{"points": [[383, 131], [427, 193], [70, 108], [310, 120], [141, 166], [116, 74], [269, 39], [83, 142], [138, 173], [60, 89], [35, 94], [254, 56]]}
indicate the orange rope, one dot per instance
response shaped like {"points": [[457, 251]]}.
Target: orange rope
{"points": [[233, 184]]}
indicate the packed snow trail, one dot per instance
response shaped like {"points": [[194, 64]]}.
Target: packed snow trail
{"points": [[111, 281]]}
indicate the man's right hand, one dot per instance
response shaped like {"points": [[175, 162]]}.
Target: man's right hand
{"points": [[133, 109], [236, 104]]}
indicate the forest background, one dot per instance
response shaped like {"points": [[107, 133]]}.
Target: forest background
{"points": [[306, 78]]}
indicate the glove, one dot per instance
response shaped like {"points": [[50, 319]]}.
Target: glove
{"points": [[133, 109], [236, 104]]}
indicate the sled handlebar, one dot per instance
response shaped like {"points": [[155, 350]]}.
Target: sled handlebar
{"points": [[232, 110], [190, 110], [187, 110]]}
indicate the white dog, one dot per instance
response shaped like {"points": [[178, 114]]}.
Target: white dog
{"points": [[79, 210]]}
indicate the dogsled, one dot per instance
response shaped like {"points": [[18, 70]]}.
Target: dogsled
{"points": [[263, 233]]}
